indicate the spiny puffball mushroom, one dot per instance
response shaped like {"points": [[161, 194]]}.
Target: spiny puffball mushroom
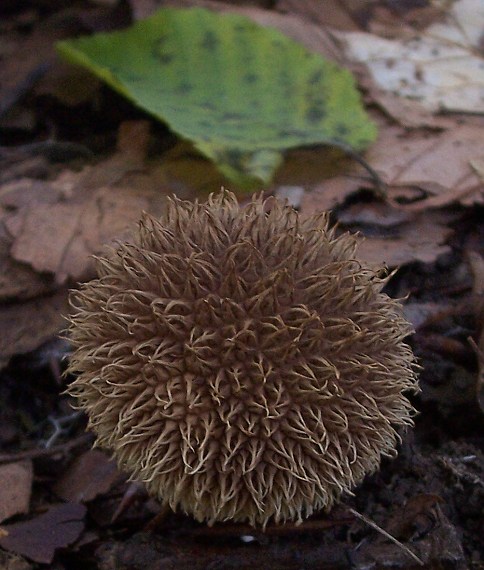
{"points": [[240, 361]]}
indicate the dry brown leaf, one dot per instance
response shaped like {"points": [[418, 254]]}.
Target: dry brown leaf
{"points": [[59, 238], [90, 475], [439, 164], [373, 214], [15, 488], [392, 236], [421, 239], [17, 280], [26, 325], [332, 13], [39, 538], [86, 210], [416, 518], [411, 245], [328, 194]]}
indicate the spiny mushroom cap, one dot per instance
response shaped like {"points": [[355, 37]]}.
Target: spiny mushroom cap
{"points": [[241, 362]]}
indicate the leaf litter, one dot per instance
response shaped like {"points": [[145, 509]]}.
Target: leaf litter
{"points": [[441, 67], [430, 497]]}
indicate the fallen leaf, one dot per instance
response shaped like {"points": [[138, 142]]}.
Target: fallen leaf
{"points": [[17, 280], [441, 67], [421, 239], [440, 164], [406, 248], [373, 214], [90, 475], [26, 325], [332, 13], [391, 236], [15, 489], [179, 66], [406, 112], [328, 194], [85, 211], [39, 538]]}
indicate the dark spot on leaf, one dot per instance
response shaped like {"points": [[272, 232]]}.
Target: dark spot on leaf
{"points": [[315, 113], [233, 116], [205, 124], [184, 88], [132, 77], [158, 50], [160, 42], [342, 129], [233, 158], [207, 106], [291, 133], [316, 77], [250, 78], [165, 58], [210, 41]]}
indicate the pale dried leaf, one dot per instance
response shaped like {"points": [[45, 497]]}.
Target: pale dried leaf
{"points": [[442, 67]]}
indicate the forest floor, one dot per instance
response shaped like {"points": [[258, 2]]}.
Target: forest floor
{"points": [[78, 164]]}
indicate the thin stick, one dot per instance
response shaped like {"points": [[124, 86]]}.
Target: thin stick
{"points": [[373, 525], [46, 452]]}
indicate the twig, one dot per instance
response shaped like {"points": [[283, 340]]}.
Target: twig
{"points": [[387, 535], [54, 450], [61, 426]]}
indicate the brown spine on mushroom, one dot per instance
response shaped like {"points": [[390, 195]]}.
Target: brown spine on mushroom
{"points": [[241, 363]]}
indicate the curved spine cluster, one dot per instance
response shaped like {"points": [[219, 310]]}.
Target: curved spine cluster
{"points": [[241, 362]]}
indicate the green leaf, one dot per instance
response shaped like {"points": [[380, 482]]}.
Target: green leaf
{"points": [[243, 94]]}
